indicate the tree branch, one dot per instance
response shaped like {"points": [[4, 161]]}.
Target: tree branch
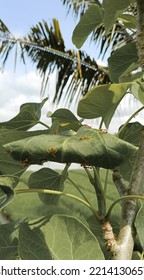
{"points": [[125, 240], [119, 183], [140, 31]]}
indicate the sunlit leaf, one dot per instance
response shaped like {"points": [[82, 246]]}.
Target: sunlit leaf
{"points": [[112, 11], [90, 20], [102, 101], [28, 116], [137, 89]]}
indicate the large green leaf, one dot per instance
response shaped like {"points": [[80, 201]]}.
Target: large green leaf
{"points": [[28, 116], [113, 9], [8, 245], [123, 61], [139, 224], [32, 245], [47, 178], [130, 133], [102, 101], [137, 89], [87, 146], [90, 20], [69, 239]]}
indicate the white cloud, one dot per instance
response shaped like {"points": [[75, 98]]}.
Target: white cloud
{"points": [[16, 90]]}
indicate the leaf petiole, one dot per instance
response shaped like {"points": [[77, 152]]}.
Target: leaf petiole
{"points": [[46, 191], [141, 197]]}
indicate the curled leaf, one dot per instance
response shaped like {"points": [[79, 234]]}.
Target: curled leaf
{"points": [[88, 146]]}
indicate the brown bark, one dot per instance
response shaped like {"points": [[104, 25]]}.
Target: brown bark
{"points": [[125, 240], [140, 31]]}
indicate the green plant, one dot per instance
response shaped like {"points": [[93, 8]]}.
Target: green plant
{"points": [[69, 214]]}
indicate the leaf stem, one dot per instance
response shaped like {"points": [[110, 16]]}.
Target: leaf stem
{"points": [[78, 189], [107, 217], [100, 193], [43, 124], [46, 191], [95, 181], [101, 123], [106, 182]]}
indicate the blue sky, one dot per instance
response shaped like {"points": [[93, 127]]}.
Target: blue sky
{"points": [[19, 16]]}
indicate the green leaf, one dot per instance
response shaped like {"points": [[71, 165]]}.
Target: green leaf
{"points": [[8, 245], [137, 89], [28, 116], [7, 164], [102, 101], [112, 11], [90, 20], [32, 244], [87, 146], [130, 133], [129, 21], [46, 178], [139, 224], [66, 119], [70, 239], [123, 61]]}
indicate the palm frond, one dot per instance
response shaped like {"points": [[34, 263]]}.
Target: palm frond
{"points": [[118, 37], [78, 7], [7, 44], [45, 47]]}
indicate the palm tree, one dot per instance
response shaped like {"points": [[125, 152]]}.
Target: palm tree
{"points": [[77, 72]]}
